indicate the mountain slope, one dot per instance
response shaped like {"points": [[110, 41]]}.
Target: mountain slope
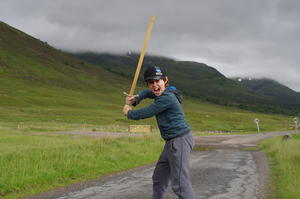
{"points": [[43, 88], [194, 79], [40, 83], [273, 89], [26, 58]]}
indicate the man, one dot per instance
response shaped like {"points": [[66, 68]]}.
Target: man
{"points": [[173, 163]]}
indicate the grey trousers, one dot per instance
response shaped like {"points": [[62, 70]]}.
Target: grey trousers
{"points": [[173, 165]]}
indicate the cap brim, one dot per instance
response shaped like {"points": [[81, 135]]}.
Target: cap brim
{"points": [[153, 78]]}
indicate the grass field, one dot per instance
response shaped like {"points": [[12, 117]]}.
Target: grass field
{"points": [[284, 161], [34, 163], [32, 159], [59, 109]]}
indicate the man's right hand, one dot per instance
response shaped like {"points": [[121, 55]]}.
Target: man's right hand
{"points": [[130, 100]]}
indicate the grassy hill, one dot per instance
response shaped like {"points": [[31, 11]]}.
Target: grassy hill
{"points": [[38, 82], [196, 80], [43, 86]]}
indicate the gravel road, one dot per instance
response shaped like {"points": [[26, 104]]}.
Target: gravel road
{"points": [[224, 172]]}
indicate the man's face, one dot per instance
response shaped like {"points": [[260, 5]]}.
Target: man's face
{"points": [[157, 86]]}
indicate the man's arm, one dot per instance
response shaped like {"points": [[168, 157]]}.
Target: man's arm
{"points": [[161, 104], [144, 94], [135, 100]]}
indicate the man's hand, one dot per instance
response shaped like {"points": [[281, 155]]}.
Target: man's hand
{"points": [[130, 100], [126, 108]]}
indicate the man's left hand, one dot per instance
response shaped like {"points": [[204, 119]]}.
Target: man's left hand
{"points": [[126, 108]]}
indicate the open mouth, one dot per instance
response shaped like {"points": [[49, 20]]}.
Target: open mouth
{"points": [[156, 90]]}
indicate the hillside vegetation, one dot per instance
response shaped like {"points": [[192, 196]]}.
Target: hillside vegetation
{"points": [[39, 83], [198, 80]]}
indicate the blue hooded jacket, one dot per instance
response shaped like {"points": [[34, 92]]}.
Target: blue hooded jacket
{"points": [[166, 108]]}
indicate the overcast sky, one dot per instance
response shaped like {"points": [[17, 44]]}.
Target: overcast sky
{"points": [[256, 38]]}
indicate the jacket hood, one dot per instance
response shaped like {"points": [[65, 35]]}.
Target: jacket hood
{"points": [[176, 92]]}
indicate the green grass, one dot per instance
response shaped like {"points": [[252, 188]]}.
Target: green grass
{"points": [[251, 149], [206, 117], [201, 148], [284, 161], [30, 164], [56, 107]]}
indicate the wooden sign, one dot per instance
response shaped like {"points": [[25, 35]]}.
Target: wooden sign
{"points": [[139, 128]]}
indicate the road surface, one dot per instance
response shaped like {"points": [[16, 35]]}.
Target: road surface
{"points": [[224, 172]]}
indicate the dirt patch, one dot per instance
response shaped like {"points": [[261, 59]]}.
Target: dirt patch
{"points": [[96, 134], [263, 172], [235, 141]]}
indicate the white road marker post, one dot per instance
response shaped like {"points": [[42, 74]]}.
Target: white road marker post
{"points": [[256, 120]]}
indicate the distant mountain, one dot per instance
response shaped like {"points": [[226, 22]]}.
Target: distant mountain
{"points": [[196, 80], [272, 89]]}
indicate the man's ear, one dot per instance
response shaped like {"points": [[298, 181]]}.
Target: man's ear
{"points": [[166, 80]]}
